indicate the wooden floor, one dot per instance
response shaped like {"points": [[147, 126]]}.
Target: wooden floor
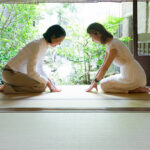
{"points": [[74, 99]]}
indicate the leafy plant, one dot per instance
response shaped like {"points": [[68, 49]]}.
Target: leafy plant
{"points": [[17, 27]]}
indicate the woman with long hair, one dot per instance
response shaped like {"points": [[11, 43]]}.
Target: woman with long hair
{"points": [[132, 77]]}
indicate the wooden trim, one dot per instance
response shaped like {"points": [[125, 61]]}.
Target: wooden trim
{"points": [[83, 110], [135, 27], [62, 1]]}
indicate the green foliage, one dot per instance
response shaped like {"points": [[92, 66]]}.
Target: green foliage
{"points": [[82, 51], [125, 40], [112, 24], [16, 28], [63, 12]]}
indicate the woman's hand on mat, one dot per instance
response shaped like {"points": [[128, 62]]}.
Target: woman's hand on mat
{"points": [[52, 88], [93, 85], [2, 87]]}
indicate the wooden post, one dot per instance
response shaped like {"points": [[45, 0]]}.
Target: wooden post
{"points": [[135, 27]]}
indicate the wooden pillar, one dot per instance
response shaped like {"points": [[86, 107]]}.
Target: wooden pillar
{"points": [[135, 27]]}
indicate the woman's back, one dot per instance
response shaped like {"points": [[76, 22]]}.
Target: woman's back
{"points": [[130, 69], [19, 62], [124, 55]]}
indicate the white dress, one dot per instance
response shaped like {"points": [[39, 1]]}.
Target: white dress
{"points": [[131, 75]]}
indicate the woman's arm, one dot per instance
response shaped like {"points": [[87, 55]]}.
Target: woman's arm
{"points": [[109, 57], [41, 71], [106, 55], [106, 64], [31, 66]]}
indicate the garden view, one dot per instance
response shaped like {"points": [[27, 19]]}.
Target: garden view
{"points": [[77, 59]]}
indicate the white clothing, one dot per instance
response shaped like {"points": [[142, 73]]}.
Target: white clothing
{"points": [[131, 75], [29, 60]]}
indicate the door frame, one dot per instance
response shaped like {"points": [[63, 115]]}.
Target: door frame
{"points": [[141, 59]]}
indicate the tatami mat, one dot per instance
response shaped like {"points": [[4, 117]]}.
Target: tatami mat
{"points": [[75, 98], [74, 131]]}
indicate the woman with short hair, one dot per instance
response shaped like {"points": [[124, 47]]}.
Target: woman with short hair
{"points": [[24, 73]]}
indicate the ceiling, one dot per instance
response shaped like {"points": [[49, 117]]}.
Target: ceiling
{"points": [[63, 1]]}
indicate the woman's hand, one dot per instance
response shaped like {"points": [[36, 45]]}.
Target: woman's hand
{"points": [[51, 87], [93, 85], [2, 86]]}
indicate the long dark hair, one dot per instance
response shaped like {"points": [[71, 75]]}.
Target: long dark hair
{"points": [[96, 27], [55, 31]]}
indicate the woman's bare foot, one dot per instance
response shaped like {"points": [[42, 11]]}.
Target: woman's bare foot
{"points": [[140, 90], [2, 87]]}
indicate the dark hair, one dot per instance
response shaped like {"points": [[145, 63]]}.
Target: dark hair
{"points": [[55, 31], [96, 27]]}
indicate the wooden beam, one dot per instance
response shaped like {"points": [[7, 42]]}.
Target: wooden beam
{"points": [[63, 1], [60, 1]]}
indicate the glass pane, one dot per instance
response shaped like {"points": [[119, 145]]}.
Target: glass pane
{"points": [[127, 24], [144, 28]]}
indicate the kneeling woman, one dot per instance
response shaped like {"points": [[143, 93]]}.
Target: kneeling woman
{"points": [[24, 73], [132, 77]]}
